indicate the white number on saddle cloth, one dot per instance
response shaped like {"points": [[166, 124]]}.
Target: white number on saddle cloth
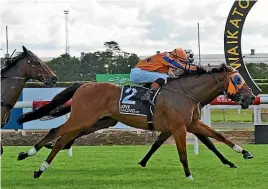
{"points": [[126, 100]]}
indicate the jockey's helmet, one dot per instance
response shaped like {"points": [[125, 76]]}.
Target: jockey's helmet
{"points": [[179, 54], [190, 55]]}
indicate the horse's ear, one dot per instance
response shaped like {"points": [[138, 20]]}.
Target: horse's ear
{"points": [[227, 67], [224, 65], [230, 69], [25, 51]]}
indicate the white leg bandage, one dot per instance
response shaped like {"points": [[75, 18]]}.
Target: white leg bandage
{"points": [[237, 148], [44, 166], [190, 177], [31, 152]]}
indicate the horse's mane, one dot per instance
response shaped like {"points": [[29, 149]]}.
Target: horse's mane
{"points": [[214, 69], [11, 62]]}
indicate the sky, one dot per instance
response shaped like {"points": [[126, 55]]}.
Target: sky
{"points": [[139, 26]]}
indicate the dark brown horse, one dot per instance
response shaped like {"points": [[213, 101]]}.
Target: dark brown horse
{"points": [[176, 111], [55, 109], [14, 75]]}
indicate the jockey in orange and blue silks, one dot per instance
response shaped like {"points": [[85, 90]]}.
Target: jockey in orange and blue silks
{"points": [[157, 68]]}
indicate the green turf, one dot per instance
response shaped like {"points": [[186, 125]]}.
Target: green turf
{"points": [[231, 115], [116, 167]]}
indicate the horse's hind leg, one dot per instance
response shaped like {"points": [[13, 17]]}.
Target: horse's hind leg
{"points": [[54, 133], [60, 143], [203, 129], [51, 135], [159, 141], [103, 123]]}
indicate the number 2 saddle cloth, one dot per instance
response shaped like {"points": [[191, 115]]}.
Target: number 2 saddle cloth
{"points": [[130, 103]]}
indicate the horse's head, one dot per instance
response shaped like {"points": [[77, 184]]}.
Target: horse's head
{"points": [[34, 68], [237, 89]]}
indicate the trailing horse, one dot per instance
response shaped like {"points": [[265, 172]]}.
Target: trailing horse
{"points": [[176, 110], [14, 75]]}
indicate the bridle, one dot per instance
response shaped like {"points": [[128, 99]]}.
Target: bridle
{"points": [[38, 77], [237, 96]]}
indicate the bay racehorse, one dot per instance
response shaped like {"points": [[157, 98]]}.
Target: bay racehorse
{"points": [[55, 109], [176, 111], [14, 75]]}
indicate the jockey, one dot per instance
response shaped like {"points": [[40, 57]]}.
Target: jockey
{"points": [[157, 68]]}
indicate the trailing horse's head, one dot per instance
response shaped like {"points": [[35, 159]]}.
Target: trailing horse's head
{"points": [[237, 89], [35, 68]]}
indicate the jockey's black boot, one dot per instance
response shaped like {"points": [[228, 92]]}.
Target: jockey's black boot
{"points": [[147, 98]]}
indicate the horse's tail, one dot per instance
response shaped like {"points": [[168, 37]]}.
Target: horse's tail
{"points": [[59, 100], [60, 111]]}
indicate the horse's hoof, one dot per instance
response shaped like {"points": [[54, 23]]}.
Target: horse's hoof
{"points": [[22, 156], [37, 174], [142, 164], [247, 155], [234, 166], [190, 177]]}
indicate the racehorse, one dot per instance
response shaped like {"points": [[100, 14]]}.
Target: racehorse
{"points": [[14, 75], [176, 111], [55, 109]]}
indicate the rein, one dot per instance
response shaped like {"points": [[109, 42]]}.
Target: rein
{"points": [[17, 78], [6, 105], [179, 92], [219, 84], [184, 92]]}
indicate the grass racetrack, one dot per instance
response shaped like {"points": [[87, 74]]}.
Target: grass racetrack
{"points": [[116, 167]]}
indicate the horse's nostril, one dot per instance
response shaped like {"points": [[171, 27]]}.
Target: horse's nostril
{"points": [[54, 79], [252, 98]]}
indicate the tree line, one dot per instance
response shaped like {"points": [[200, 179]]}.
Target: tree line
{"points": [[112, 60]]}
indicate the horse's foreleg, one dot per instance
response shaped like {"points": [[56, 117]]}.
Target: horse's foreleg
{"points": [[179, 134], [60, 143], [212, 147], [159, 141], [204, 130]]}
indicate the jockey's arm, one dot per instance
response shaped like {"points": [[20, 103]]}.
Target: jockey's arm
{"points": [[171, 63]]}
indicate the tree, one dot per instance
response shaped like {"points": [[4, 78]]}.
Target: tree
{"points": [[112, 46], [65, 67], [258, 70]]}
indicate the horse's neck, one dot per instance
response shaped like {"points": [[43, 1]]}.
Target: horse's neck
{"points": [[203, 88], [11, 88]]}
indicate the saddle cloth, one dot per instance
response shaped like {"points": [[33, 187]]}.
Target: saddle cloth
{"points": [[130, 103]]}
